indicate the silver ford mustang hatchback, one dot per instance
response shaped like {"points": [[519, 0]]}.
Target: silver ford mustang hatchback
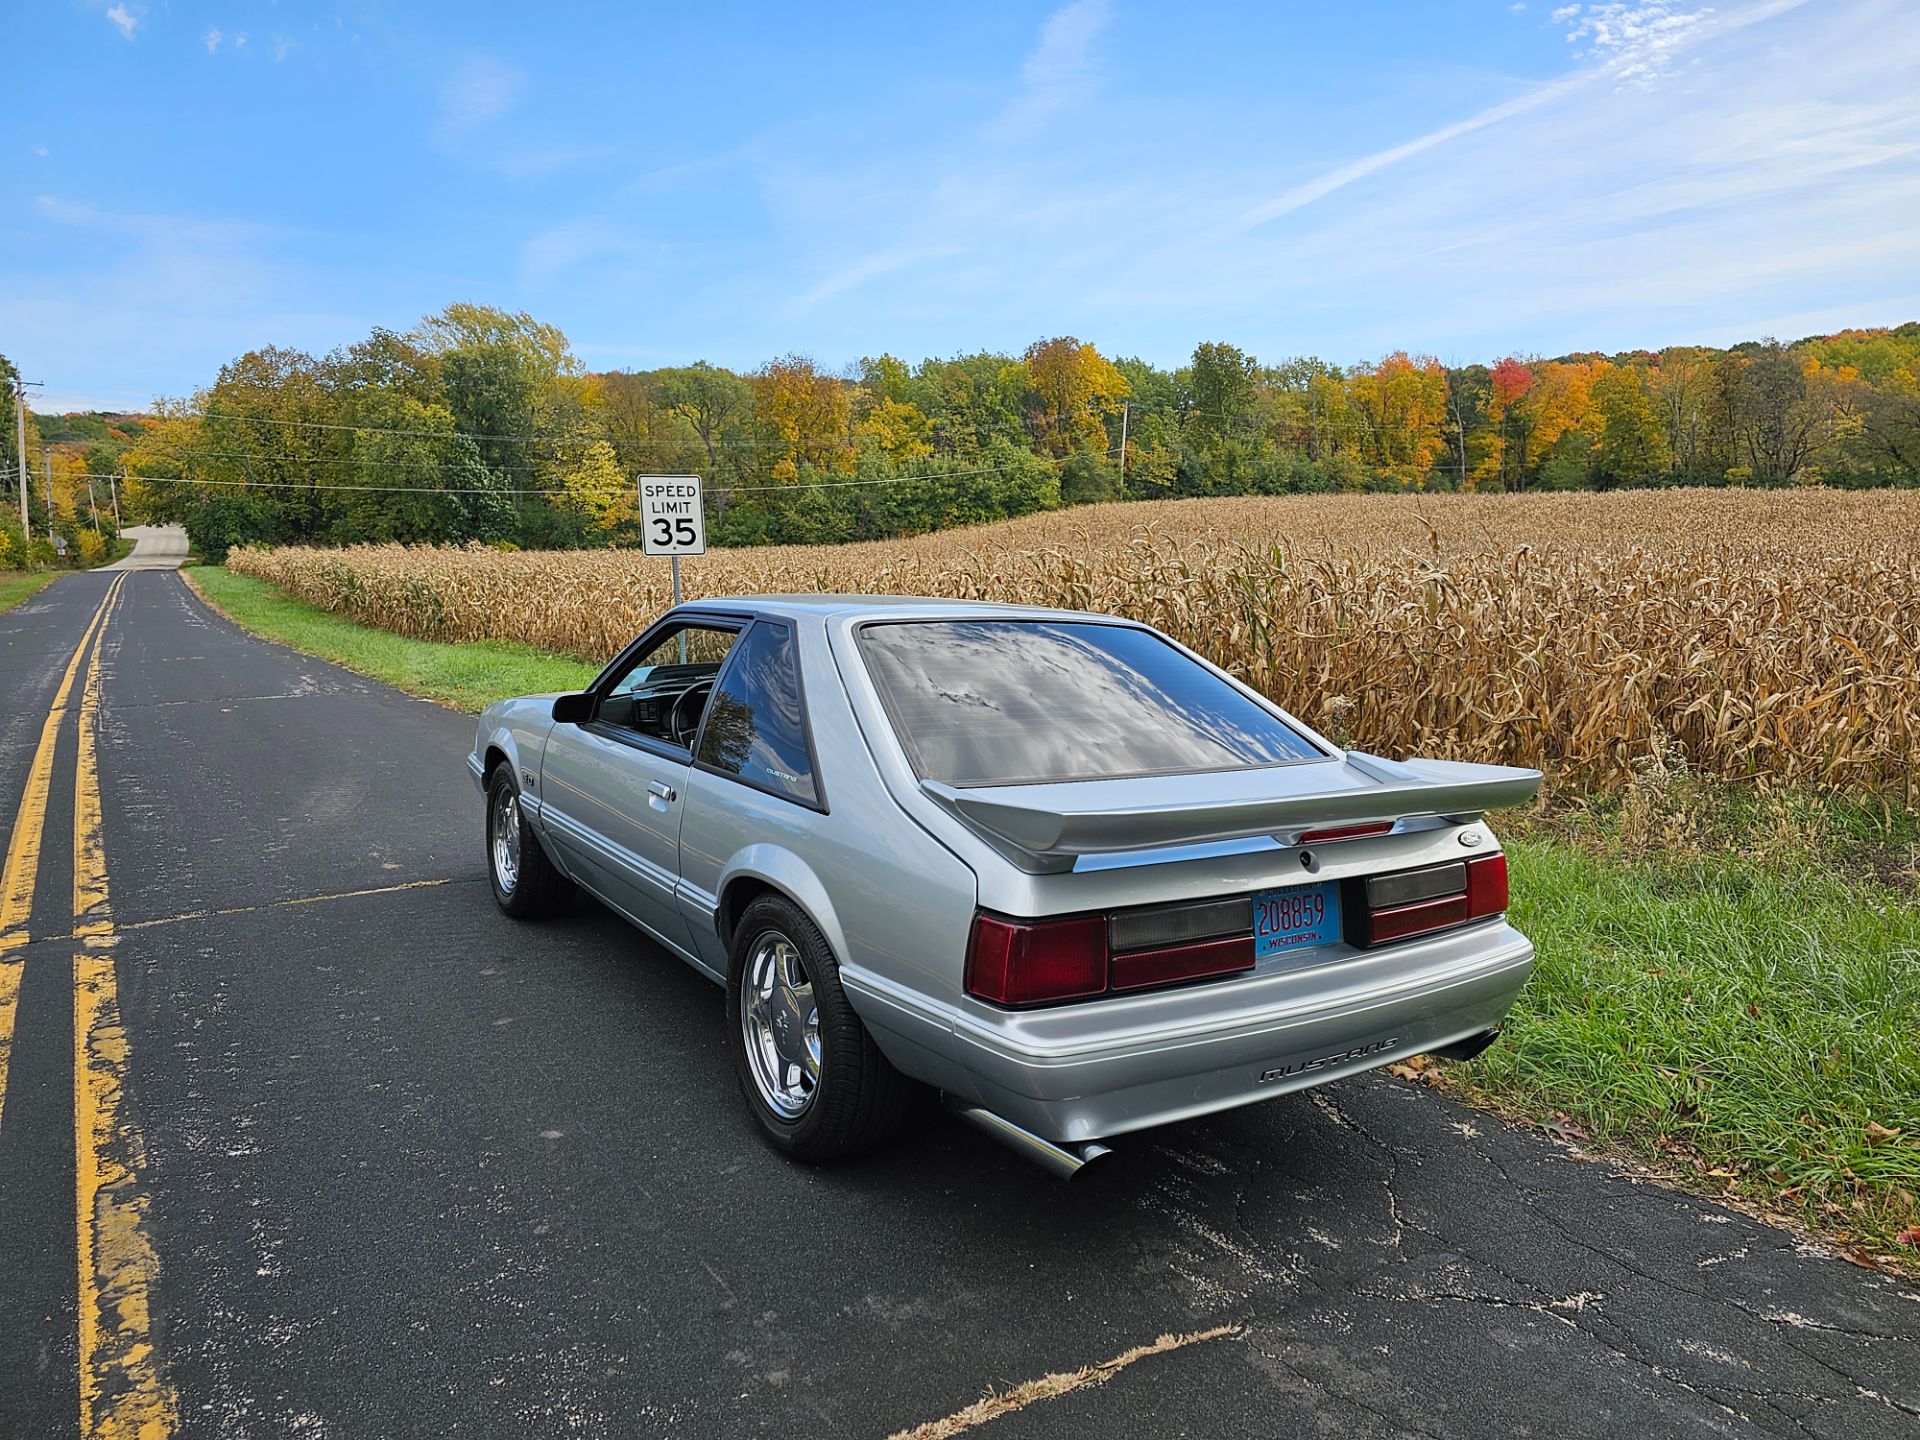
{"points": [[1052, 864]]}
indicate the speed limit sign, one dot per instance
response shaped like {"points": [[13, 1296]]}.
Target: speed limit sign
{"points": [[673, 519]]}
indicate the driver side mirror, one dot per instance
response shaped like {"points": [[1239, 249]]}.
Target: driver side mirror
{"points": [[573, 709]]}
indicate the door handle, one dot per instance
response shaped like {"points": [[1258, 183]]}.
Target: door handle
{"points": [[661, 791]]}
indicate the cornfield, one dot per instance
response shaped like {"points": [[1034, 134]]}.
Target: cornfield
{"points": [[1772, 635]]}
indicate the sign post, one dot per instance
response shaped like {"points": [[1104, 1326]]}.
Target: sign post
{"points": [[673, 519]]}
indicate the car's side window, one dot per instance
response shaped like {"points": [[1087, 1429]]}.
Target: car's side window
{"points": [[756, 727], [663, 692]]}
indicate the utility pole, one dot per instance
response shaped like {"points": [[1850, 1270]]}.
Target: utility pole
{"points": [[20, 430], [46, 482], [1125, 406], [93, 503], [113, 493]]}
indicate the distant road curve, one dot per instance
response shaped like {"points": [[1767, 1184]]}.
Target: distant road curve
{"points": [[155, 547]]}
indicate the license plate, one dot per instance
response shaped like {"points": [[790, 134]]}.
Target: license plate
{"points": [[1296, 918]]}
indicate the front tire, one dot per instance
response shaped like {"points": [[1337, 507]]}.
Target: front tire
{"points": [[526, 884], [817, 1085]]}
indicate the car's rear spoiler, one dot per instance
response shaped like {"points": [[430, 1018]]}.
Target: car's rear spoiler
{"points": [[1044, 827]]}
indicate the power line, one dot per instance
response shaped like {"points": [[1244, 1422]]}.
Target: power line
{"points": [[307, 460], [380, 489], [533, 439], [622, 490]]}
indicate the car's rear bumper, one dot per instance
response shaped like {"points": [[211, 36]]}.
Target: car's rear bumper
{"points": [[1102, 1068]]}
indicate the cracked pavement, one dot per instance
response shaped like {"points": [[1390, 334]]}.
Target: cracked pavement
{"points": [[419, 1170]]}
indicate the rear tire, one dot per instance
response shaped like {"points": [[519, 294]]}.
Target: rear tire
{"points": [[526, 884], [817, 1085]]}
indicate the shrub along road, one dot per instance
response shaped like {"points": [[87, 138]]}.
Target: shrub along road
{"points": [[299, 1136]]}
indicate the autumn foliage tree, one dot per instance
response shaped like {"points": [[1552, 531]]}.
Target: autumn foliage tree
{"points": [[481, 424], [1072, 385]]}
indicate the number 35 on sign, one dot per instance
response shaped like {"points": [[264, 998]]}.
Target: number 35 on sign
{"points": [[673, 520]]}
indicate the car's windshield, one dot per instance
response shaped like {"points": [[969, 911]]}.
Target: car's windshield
{"points": [[1003, 702]]}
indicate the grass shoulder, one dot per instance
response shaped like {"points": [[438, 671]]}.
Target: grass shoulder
{"points": [[18, 585], [465, 676], [1745, 1018]]}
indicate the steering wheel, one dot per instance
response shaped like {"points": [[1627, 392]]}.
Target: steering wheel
{"points": [[682, 733]]}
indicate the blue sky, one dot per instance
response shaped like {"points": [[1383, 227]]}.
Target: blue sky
{"points": [[180, 182]]}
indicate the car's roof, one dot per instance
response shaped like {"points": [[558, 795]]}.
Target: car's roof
{"points": [[821, 607]]}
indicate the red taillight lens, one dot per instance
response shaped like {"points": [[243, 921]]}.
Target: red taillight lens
{"points": [[1485, 895], [1486, 886], [1028, 964], [1182, 962], [1404, 920]]}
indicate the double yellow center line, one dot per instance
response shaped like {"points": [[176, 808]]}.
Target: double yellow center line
{"points": [[124, 1394]]}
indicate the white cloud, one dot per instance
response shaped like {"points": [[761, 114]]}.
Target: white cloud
{"points": [[560, 247], [1630, 49], [281, 47], [870, 267], [41, 151], [1321, 186], [1711, 210], [194, 291], [240, 41], [213, 38], [126, 17], [480, 90], [1060, 69], [1634, 40], [1581, 212]]}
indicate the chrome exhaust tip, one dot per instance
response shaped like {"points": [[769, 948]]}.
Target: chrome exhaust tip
{"points": [[1066, 1161]]}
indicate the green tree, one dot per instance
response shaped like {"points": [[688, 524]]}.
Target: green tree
{"points": [[1787, 417], [717, 403], [1223, 392], [1633, 441]]}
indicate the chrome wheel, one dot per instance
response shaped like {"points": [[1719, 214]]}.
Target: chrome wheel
{"points": [[781, 1025], [506, 840]]}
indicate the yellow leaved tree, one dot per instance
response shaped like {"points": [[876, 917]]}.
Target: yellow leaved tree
{"points": [[596, 485]]}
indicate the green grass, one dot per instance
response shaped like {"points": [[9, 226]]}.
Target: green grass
{"points": [[1728, 983], [467, 677], [16, 585], [1755, 1029]]}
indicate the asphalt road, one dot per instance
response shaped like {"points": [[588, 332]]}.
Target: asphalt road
{"points": [[302, 1138], [155, 547]]}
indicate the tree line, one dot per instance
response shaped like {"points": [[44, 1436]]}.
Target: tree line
{"points": [[482, 425], [69, 492]]}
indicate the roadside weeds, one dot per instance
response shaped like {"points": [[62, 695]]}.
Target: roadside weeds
{"points": [[24, 585], [462, 677]]}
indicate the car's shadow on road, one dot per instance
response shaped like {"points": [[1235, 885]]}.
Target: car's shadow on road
{"points": [[1219, 1203]]}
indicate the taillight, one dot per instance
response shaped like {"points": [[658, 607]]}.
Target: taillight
{"points": [[1182, 962], [1016, 963], [1486, 886], [1436, 898]]}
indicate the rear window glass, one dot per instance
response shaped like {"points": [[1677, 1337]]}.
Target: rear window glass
{"points": [[1002, 702]]}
